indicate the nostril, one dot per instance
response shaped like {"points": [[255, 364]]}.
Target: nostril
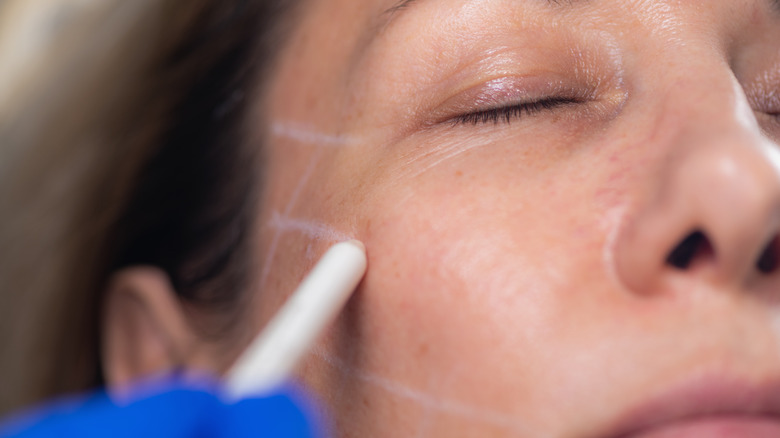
{"points": [[696, 245], [769, 260]]}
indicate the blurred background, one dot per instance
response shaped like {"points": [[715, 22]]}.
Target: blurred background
{"points": [[68, 70]]}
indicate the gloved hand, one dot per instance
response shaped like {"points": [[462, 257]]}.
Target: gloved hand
{"points": [[171, 410]]}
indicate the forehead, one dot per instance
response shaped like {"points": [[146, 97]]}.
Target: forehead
{"points": [[338, 43], [360, 22], [332, 31], [379, 13]]}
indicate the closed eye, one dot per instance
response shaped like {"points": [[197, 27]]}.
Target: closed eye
{"points": [[509, 113]]}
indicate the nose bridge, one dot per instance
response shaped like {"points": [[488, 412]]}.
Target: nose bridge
{"points": [[717, 178], [707, 103], [716, 153]]}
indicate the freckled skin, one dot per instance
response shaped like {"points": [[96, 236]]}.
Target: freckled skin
{"points": [[495, 303]]}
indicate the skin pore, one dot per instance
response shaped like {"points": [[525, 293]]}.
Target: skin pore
{"points": [[518, 280]]}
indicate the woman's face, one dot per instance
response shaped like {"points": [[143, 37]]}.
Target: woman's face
{"points": [[528, 177]]}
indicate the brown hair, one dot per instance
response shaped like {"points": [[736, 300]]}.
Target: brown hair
{"points": [[134, 152]]}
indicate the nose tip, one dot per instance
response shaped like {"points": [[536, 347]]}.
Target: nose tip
{"points": [[714, 214]]}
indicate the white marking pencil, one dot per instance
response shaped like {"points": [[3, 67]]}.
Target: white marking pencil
{"points": [[271, 358]]}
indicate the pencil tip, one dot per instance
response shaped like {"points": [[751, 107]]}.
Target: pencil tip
{"points": [[357, 243]]}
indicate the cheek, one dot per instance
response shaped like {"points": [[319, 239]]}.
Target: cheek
{"points": [[470, 285]]}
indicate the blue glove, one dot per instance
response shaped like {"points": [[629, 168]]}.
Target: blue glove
{"points": [[173, 411]]}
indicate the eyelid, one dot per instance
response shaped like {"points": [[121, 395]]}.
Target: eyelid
{"points": [[508, 113], [511, 91]]}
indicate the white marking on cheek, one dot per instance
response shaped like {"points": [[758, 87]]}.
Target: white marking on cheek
{"points": [[301, 133], [445, 406], [311, 228], [450, 154], [775, 325], [614, 221], [417, 164], [272, 247]]}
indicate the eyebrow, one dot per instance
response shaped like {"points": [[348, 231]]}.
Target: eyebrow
{"points": [[404, 4], [396, 9]]}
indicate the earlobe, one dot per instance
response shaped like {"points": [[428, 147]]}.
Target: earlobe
{"points": [[144, 330]]}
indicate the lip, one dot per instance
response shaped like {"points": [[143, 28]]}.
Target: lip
{"points": [[705, 407]]}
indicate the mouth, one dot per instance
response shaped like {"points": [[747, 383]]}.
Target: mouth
{"points": [[707, 408]]}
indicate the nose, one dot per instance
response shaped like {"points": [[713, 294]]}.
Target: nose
{"points": [[712, 209]]}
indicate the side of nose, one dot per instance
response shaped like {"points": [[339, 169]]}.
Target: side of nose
{"points": [[712, 210]]}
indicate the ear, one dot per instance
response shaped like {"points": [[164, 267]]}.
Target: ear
{"points": [[144, 329]]}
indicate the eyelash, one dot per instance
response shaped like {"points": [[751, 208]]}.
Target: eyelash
{"points": [[513, 112]]}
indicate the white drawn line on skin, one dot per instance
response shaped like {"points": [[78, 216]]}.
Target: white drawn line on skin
{"points": [[448, 156], [314, 229], [271, 253], [614, 221], [306, 135], [434, 158], [775, 326], [451, 407]]}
